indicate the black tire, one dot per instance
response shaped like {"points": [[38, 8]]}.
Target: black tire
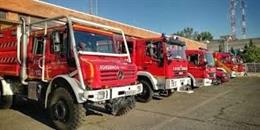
{"points": [[167, 94], [121, 106], [219, 81], [65, 114], [147, 93], [191, 84], [5, 101]]}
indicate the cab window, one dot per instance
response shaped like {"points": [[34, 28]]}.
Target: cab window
{"points": [[153, 49], [59, 42], [38, 45], [121, 47], [194, 59]]}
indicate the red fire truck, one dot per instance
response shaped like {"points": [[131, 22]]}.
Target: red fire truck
{"points": [[162, 66], [241, 69], [229, 63], [222, 76], [201, 67], [61, 63]]}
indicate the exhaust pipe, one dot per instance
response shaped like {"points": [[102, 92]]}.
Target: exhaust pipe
{"points": [[23, 73]]}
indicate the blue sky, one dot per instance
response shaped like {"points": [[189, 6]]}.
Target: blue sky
{"points": [[169, 16]]}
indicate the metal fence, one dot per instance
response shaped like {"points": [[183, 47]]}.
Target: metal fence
{"points": [[253, 67]]}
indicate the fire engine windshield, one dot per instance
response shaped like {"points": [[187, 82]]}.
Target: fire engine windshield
{"points": [[175, 52], [209, 58], [92, 42], [236, 60], [226, 59]]}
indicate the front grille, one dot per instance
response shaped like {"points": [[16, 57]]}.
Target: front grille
{"points": [[110, 75], [211, 75], [179, 73]]}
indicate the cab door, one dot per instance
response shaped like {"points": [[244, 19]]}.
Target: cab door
{"points": [[56, 55], [194, 66], [35, 61], [153, 58]]}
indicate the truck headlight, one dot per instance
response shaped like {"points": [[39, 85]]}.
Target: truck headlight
{"points": [[101, 95], [139, 88]]}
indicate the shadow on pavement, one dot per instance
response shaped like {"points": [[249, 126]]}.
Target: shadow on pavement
{"points": [[38, 113], [33, 110]]}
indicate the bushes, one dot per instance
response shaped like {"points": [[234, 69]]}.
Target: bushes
{"points": [[251, 53]]}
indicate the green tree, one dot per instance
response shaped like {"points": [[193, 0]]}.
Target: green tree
{"points": [[189, 32], [206, 36], [232, 51], [196, 36], [180, 33], [245, 47], [186, 32], [251, 53]]}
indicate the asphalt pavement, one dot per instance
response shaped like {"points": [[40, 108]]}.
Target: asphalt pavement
{"points": [[234, 105]]}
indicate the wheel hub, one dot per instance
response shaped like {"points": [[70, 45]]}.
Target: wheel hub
{"points": [[60, 110]]}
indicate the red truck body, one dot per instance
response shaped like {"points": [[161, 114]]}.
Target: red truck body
{"points": [[174, 68], [222, 76], [201, 67], [157, 71], [230, 63], [241, 69], [8, 61], [68, 57]]}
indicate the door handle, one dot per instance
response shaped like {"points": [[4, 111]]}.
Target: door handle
{"points": [[148, 62], [39, 62]]}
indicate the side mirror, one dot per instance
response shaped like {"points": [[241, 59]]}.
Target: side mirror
{"points": [[56, 41], [161, 60], [56, 37], [150, 49], [205, 63]]}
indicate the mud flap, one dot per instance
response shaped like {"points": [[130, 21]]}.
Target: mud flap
{"points": [[185, 89], [120, 106], [6, 87]]}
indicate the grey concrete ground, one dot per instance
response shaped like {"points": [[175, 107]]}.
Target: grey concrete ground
{"points": [[253, 74], [232, 106]]}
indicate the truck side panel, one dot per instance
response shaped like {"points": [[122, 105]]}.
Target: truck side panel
{"points": [[8, 53]]}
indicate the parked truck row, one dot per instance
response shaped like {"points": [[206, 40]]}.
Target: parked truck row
{"points": [[67, 64]]}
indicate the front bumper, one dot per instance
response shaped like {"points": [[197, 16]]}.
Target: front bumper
{"points": [[225, 78], [215, 82], [203, 82], [240, 74], [176, 83], [111, 93], [233, 74], [207, 82]]}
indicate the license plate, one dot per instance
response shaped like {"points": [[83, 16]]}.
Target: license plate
{"points": [[131, 92]]}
